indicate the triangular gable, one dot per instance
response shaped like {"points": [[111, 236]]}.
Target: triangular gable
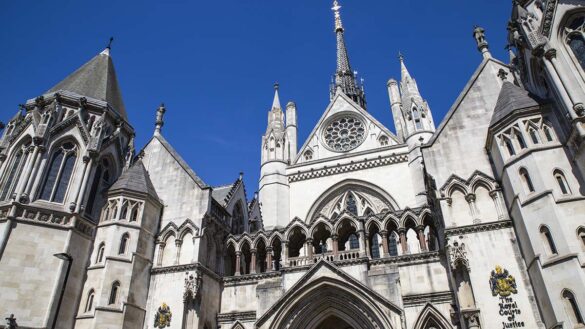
{"points": [[182, 163], [321, 270], [342, 103]]}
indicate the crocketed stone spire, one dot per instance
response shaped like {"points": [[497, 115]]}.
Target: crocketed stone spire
{"points": [[345, 78]]}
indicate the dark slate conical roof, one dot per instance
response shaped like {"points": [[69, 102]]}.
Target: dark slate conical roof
{"points": [[135, 179], [96, 79], [512, 98]]}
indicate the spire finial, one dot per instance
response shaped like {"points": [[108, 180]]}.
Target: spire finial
{"points": [[338, 24], [276, 102], [110, 43], [400, 56], [480, 39], [160, 112]]}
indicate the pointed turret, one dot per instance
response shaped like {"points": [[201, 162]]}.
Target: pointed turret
{"points": [[135, 179], [95, 79], [411, 112], [345, 78], [275, 115]]}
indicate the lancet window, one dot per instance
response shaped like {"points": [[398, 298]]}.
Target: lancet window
{"points": [[576, 39], [12, 175], [59, 173]]}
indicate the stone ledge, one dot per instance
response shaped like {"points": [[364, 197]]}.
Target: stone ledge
{"points": [[236, 316], [475, 228], [432, 298]]}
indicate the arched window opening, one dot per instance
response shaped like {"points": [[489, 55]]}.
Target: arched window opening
{"points": [[12, 177], [393, 239], [572, 308], [345, 231], [246, 259], [114, 293], [89, 302], [321, 236], [124, 244], [101, 182], [238, 219], [100, 253], [59, 173], [124, 211], [534, 136], [526, 180], [562, 182], [275, 264], [134, 214], [509, 146], [520, 140], [376, 246], [548, 133], [548, 241], [576, 39], [384, 141], [230, 261], [296, 245], [350, 204], [261, 265]]}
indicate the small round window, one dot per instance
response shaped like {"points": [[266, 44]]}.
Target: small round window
{"points": [[344, 133]]}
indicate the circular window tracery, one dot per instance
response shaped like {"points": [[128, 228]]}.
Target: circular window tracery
{"points": [[344, 133]]}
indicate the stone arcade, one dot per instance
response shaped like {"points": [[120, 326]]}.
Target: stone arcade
{"points": [[476, 223]]}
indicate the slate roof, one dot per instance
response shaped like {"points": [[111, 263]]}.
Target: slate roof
{"points": [[223, 194], [512, 98], [135, 179], [95, 79]]}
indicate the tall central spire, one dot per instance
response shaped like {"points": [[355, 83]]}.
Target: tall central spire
{"points": [[345, 78]]}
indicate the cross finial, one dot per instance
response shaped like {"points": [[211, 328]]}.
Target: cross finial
{"points": [[276, 86], [338, 24], [400, 56], [110, 43]]}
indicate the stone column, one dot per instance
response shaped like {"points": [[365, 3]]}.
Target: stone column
{"points": [[422, 239], [575, 104], [269, 265], [83, 186], [284, 254], [335, 239], [470, 198], [161, 249], [238, 262], [362, 241], [178, 244], [33, 173], [384, 235], [309, 243], [26, 171], [402, 233], [253, 261], [367, 240]]}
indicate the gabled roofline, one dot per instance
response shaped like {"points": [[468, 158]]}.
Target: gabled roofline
{"points": [[461, 97], [324, 115]]}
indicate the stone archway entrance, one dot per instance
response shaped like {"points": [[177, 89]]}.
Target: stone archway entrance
{"points": [[333, 322]]}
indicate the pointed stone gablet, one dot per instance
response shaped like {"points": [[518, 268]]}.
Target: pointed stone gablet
{"points": [[95, 79], [276, 101]]}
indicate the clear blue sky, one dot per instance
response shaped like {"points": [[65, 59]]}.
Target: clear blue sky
{"points": [[213, 63]]}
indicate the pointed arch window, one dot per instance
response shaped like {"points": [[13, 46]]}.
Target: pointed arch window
{"points": [[101, 181], [124, 211], [548, 133], [393, 244], [238, 219], [562, 182], [350, 204], [59, 173], [354, 242], [134, 214], [124, 244], [375, 245], [89, 302], [548, 241], [572, 308], [509, 146], [520, 140], [114, 293], [534, 136], [100, 253], [526, 180], [576, 39], [12, 177]]}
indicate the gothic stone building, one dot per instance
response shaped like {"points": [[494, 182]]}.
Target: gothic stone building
{"points": [[476, 223]]}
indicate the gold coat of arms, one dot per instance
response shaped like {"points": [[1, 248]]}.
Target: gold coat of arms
{"points": [[502, 283], [162, 319]]}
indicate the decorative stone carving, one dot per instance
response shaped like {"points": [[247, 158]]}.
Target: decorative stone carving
{"points": [[458, 255], [162, 318], [502, 283], [344, 134], [192, 286]]}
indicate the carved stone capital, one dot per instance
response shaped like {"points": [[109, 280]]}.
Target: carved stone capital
{"points": [[470, 198], [178, 242], [550, 54]]}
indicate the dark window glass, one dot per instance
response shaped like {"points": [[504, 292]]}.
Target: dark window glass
{"points": [[534, 136], [562, 185], [577, 44], [51, 176], [510, 147], [64, 179], [13, 176], [114, 293], [393, 245], [520, 140], [123, 244], [94, 188], [375, 246], [550, 241], [354, 243]]}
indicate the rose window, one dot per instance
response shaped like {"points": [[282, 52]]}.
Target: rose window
{"points": [[344, 134]]}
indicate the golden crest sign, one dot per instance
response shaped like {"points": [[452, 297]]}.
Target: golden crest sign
{"points": [[502, 283], [163, 316]]}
